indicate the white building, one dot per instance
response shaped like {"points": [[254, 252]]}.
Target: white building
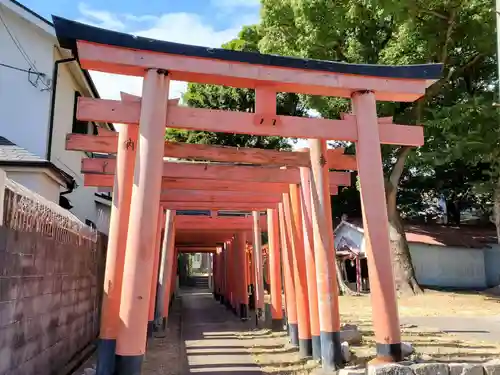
{"points": [[443, 256], [39, 86]]}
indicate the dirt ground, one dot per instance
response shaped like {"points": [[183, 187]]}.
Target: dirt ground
{"points": [[272, 352], [429, 343], [164, 348], [165, 352], [430, 303]]}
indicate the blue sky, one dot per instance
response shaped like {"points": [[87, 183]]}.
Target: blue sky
{"points": [[221, 14], [199, 22]]}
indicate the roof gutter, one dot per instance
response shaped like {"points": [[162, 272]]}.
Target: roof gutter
{"points": [[55, 73]]}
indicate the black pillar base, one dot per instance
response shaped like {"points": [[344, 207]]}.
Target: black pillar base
{"points": [[251, 297], [268, 316], [316, 349], [243, 313], [151, 326], [293, 332], [106, 357], [331, 351], [129, 364], [305, 348], [260, 318], [277, 325], [161, 325], [391, 352]]}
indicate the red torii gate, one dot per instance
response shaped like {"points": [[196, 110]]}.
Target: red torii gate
{"points": [[159, 62]]}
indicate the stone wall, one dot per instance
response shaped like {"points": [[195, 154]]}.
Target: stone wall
{"points": [[407, 368], [49, 300], [492, 264]]}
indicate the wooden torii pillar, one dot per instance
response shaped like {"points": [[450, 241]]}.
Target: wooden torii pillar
{"points": [[275, 269], [108, 51], [167, 269], [115, 258], [310, 260]]}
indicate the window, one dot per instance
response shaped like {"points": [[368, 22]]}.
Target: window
{"points": [[80, 127]]}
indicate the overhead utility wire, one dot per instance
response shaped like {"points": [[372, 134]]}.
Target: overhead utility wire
{"points": [[21, 69], [33, 68]]}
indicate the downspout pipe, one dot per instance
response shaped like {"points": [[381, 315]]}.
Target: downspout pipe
{"points": [[55, 73]]}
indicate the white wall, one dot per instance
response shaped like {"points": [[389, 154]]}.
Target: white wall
{"points": [[24, 109], [37, 182], [492, 264], [448, 266], [439, 266], [103, 216], [82, 198]]}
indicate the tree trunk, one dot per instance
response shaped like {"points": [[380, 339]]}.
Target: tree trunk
{"points": [[496, 208], [404, 273], [344, 290]]}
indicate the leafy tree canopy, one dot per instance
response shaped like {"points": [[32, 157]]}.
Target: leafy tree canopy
{"points": [[235, 99], [461, 125]]}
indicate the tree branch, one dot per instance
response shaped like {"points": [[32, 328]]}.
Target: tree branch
{"points": [[449, 31], [431, 91], [386, 40], [433, 13], [398, 167]]}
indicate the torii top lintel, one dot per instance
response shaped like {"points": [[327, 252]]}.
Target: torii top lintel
{"points": [[114, 52]]}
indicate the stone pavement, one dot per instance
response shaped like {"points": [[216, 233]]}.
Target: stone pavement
{"points": [[210, 334], [201, 338], [482, 328]]}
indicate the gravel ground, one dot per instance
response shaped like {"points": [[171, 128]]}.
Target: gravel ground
{"points": [[167, 355]]}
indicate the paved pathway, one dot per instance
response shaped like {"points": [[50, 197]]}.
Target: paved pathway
{"points": [[483, 328], [210, 334]]}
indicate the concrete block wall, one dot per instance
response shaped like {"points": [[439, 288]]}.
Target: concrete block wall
{"points": [[49, 300], [446, 266], [492, 264]]}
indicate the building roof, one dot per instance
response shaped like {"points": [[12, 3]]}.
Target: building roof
{"points": [[468, 236], [68, 32], [12, 155], [34, 14], [9, 151], [442, 235]]}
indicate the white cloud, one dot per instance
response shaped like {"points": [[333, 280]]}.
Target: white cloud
{"points": [[144, 18], [100, 18], [237, 12], [301, 143], [187, 28], [110, 85]]}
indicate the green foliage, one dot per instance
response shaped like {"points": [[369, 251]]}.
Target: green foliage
{"points": [[461, 125], [235, 99]]}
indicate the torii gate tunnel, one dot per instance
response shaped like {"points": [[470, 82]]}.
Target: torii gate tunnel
{"points": [[292, 188]]}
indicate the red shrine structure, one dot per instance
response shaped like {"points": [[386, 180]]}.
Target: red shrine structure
{"points": [[292, 188]]}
